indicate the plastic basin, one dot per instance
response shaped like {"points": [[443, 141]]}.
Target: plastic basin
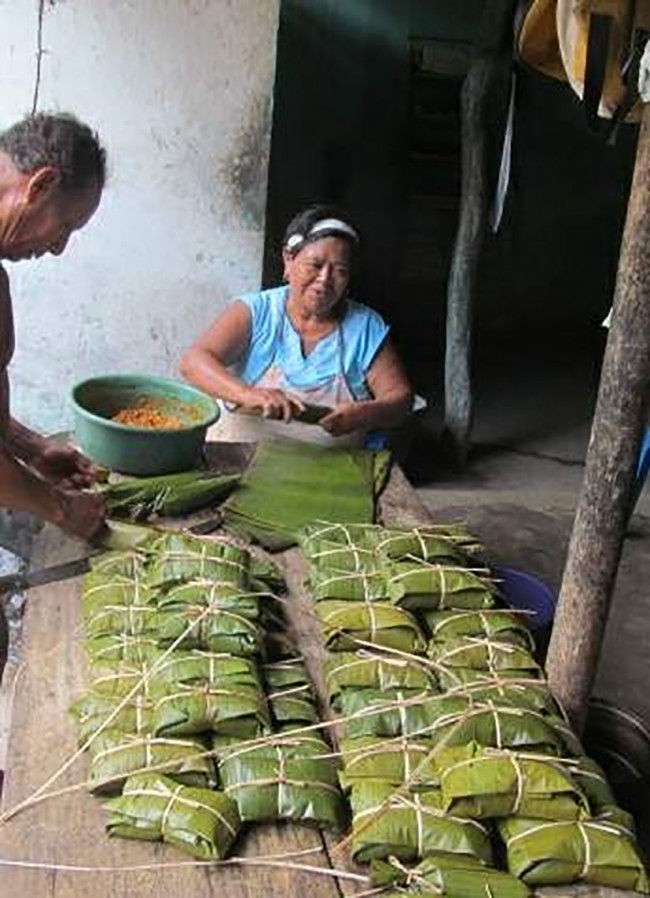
{"points": [[141, 450], [524, 592]]}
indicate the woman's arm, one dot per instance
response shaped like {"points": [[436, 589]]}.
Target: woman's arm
{"points": [[392, 398], [206, 363]]}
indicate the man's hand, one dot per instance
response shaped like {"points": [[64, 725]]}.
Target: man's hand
{"points": [[63, 466], [346, 418], [81, 514], [275, 404]]}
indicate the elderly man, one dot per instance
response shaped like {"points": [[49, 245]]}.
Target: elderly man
{"points": [[52, 172]]}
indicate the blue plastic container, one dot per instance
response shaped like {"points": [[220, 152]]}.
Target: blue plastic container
{"points": [[524, 592]]}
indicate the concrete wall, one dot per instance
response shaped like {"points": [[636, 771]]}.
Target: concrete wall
{"points": [[180, 92]]}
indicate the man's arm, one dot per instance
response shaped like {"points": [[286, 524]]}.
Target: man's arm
{"points": [[24, 443]]}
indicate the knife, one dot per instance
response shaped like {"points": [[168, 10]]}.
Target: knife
{"points": [[30, 579]]}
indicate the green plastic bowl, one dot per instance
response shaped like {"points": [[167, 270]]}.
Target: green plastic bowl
{"points": [[141, 450]]}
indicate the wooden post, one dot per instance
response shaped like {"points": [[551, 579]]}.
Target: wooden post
{"points": [[484, 79], [602, 512]]}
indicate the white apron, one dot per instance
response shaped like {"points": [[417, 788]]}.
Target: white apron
{"points": [[246, 428]]}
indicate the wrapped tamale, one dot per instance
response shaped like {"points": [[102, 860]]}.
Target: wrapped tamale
{"points": [[289, 693], [533, 694], [94, 710], [394, 761], [423, 585], [100, 590], [348, 625], [120, 678], [201, 822], [196, 666], [591, 851], [371, 536], [196, 708], [503, 727], [504, 626], [177, 557], [484, 653], [213, 629], [132, 620], [393, 822], [602, 802], [336, 557], [208, 594], [329, 583], [117, 755], [486, 783], [128, 563], [366, 669], [116, 647], [288, 778], [447, 875], [394, 712]]}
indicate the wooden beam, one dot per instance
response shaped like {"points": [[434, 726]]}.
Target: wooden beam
{"points": [[602, 512], [484, 79]]}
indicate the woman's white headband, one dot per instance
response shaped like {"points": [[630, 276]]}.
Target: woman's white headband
{"points": [[331, 225]]}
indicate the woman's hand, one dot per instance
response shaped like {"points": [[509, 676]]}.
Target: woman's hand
{"points": [[346, 418], [274, 404], [63, 466]]}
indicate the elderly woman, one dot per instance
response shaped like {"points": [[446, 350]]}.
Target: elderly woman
{"points": [[304, 352]]}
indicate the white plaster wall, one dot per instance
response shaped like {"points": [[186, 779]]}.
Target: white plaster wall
{"points": [[180, 93]]}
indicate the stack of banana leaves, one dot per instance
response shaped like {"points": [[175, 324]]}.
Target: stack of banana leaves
{"points": [[450, 741], [197, 701], [289, 484]]}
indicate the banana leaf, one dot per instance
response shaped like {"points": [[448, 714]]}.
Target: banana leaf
{"points": [[449, 876], [290, 483], [530, 694], [346, 625], [463, 679], [128, 563], [351, 586], [196, 708], [207, 594], [92, 710], [455, 720], [100, 589], [197, 667], [602, 802], [502, 727], [336, 557], [131, 620], [394, 712], [374, 536], [501, 625], [289, 693], [421, 585], [117, 647], [200, 822], [389, 822], [214, 630], [178, 557], [419, 543], [266, 575], [120, 536], [587, 851], [289, 778], [118, 679], [369, 670], [169, 495], [484, 653], [484, 783], [391, 760], [117, 755]]}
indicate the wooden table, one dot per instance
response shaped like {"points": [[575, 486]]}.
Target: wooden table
{"points": [[68, 829]]}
